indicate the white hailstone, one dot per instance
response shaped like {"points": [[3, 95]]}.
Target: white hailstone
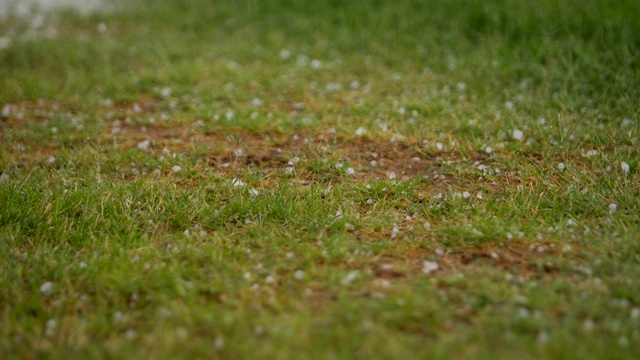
{"points": [[186, 232], [5, 177], [200, 123], [218, 343], [561, 167], [130, 334], [333, 86], [588, 325], [102, 28], [543, 337], [395, 232], [182, 333], [285, 54], [626, 122], [384, 283], [386, 267], [466, 194], [50, 328], [509, 236], [237, 182], [439, 146], [117, 316], [480, 195], [46, 288], [542, 121], [238, 152], [426, 225], [176, 168], [461, 86], [361, 131], [415, 159], [517, 134], [259, 330], [339, 165], [509, 105], [373, 163], [143, 145], [51, 159], [136, 108], [316, 64], [289, 169], [331, 131], [246, 276], [298, 275], [351, 275], [488, 149], [369, 201], [253, 192], [590, 153], [6, 111], [166, 91], [5, 42], [351, 171], [54, 130], [392, 175], [289, 255], [270, 279], [256, 102], [612, 208], [570, 222], [229, 115], [635, 313], [429, 266], [624, 166]]}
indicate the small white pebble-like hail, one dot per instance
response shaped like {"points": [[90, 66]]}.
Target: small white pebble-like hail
{"points": [[624, 167]]}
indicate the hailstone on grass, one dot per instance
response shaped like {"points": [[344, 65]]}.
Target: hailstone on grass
{"points": [[624, 166], [518, 134], [429, 266]]}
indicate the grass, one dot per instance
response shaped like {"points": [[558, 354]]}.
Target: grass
{"points": [[267, 180]]}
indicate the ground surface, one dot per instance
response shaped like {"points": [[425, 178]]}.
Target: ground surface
{"points": [[444, 179]]}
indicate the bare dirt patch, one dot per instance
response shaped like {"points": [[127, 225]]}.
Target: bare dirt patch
{"points": [[370, 159], [232, 150], [527, 260]]}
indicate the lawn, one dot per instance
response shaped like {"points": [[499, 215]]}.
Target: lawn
{"points": [[291, 179]]}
